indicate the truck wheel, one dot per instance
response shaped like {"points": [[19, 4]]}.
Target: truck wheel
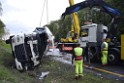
{"points": [[113, 57], [94, 57]]}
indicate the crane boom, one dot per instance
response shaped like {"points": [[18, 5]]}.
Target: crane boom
{"points": [[91, 3], [75, 20]]}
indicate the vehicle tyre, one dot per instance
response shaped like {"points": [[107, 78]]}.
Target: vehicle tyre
{"points": [[113, 57], [94, 57]]}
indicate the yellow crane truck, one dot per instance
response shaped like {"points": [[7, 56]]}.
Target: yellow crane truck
{"points": [[90, 35]]}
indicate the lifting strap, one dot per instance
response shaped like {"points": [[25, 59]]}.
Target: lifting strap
{"points": [[45, 3]]}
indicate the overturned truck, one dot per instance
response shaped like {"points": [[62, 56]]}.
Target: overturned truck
{"points": [[28, 49]]}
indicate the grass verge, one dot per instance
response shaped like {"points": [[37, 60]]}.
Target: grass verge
{"points": [[63, 73]]}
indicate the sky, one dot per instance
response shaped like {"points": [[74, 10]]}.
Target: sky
{"points": [[23, 16]]}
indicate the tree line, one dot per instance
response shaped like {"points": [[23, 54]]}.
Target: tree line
{"points": [[3, 30]]}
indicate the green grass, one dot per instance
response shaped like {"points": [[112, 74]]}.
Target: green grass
{"points": [[5, 54]]}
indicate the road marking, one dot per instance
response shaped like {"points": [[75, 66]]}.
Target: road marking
{"points": [[106, 71]]}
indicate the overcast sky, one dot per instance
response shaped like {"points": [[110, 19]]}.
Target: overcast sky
{"points": [[23, 16]]}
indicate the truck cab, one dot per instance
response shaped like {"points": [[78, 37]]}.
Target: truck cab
{"points": [[92, 33]]}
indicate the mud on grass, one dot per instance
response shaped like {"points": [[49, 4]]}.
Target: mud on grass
{"points": [[64, 73]]}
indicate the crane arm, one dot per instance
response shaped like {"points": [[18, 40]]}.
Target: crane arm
{"points": [[91, 3]]}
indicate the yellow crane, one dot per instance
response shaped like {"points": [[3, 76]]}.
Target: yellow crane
{"points": [[75, 21], [74, 33]]}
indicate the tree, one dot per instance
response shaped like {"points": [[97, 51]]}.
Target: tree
{"points": [[6, 34], [119, 4], [60, 27], [2, 25], [0, 8]]}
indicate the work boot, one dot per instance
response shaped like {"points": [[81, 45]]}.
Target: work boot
{"points": [[104, 65], [80, 76], [76, 77]]}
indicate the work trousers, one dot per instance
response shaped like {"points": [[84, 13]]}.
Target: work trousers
{"points": [[78, 67], [104, 57]]}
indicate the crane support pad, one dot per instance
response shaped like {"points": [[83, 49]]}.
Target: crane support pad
{"points": [[122, 47]]}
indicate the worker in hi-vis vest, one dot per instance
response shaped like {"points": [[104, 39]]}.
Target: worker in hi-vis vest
{"points": [[104, 49], [78, 61]]}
